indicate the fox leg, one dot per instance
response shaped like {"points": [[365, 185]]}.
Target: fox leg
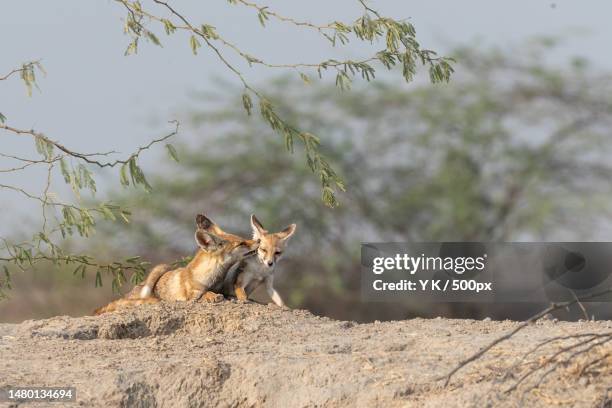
{"points": [[269, 281], [240, 293], [213, 297], [206, 296], [240, 285], [239, 288], [195, 295]]}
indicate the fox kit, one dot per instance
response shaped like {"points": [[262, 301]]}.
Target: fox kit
{"points": [[256, 270], [205, 273]]}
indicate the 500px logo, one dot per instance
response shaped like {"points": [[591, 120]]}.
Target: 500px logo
{"points": [[413, 264]]}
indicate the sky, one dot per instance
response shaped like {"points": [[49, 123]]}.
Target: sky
{"points": [[93, 98]]}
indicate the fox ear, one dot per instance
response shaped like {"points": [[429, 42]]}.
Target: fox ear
{"points": [[287, 232], [258, 229], [203, 222], [208, 241]]}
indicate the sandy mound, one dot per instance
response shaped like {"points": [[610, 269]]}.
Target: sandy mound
{"points": [[233, 354]]}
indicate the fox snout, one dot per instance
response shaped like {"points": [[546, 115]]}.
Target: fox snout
{"points": [[266, 258]]}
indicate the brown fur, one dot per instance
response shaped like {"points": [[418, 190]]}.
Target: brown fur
{"points": [[254, 271], [202, 277], [204, 272], [123, 303]]}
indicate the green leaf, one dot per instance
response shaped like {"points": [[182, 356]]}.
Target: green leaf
{"points": [[124, 215], [132, 48], [123, 177], [134, 170], [247, 103], [108, 214], [65, 170], [152, 38], [329, 197], [86, 178], [44, 147], [40, 145], [28, 77], [137, 175], [2, 118], [305, 78], [195, 44], [262, 16], [172, 152], [38, 65], [343, 81], [168, 26], [209, 31]]}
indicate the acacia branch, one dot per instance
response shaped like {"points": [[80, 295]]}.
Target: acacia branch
{"points": [[45, 201], [28, 164], [401, 49], [25, 67], [14, 71], [367, 8], [267, 11], [427, 56], [86, 157], [200, 34]]}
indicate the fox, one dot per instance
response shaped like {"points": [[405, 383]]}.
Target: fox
{"points": [[124, 303], [252, 272], [202, 277]]}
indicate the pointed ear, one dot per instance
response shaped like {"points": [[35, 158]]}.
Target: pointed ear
{"points": [[258, 229], [203, 222], [208, 241], [287, 232]]}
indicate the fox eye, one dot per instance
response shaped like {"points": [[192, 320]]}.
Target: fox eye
{"points": [[277, 253], [263, 250]]}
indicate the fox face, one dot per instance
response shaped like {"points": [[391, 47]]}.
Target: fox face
{"points": [[242, 249], [271, 245], [218, 245], [258, 269]]}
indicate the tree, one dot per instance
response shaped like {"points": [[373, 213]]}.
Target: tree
{"points": [[512, 149], [61, 218]]}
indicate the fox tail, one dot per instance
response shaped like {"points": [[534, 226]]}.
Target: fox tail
{"points": [[124, 304], [151, 280]]}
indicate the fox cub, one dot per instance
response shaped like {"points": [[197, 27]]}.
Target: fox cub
{"points": [[253, 271], [202, 277]]}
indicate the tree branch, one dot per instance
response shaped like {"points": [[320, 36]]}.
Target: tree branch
{"points": [[533, 319], [25, 67], [87, 157]]}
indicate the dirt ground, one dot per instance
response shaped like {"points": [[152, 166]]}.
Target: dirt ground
{"points": [[240, 355]]}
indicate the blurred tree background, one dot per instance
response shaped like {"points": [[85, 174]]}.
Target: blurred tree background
{"points": [[62, 217], [515, 148]]}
